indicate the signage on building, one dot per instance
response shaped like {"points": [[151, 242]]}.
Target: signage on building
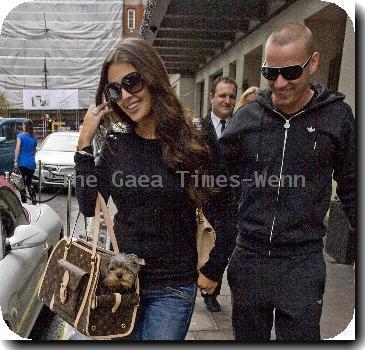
{"points": [[50, 99]]}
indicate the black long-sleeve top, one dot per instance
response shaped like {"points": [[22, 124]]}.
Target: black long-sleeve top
{"points": [[155, 218]]}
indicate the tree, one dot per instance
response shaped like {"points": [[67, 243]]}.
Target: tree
{"points": [[4, 105]]}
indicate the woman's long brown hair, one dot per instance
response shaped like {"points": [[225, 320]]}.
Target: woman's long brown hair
{"points": [[28, 126], [182, 147]]}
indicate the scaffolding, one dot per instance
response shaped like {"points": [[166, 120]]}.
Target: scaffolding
{"points": [[57, 44]]}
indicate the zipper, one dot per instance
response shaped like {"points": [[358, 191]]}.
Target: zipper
{"points": [[286, 126]]}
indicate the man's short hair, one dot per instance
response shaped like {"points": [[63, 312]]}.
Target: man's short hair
{"points": [[223, 79], [293, 32]]}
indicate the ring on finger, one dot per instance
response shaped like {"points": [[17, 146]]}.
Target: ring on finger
{"points": [[95, 111]]}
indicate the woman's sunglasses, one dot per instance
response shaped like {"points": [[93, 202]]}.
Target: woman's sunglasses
{"points": [[132, 82], [288, 72]]}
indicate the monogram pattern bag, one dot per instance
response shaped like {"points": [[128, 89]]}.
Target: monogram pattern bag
{"points": [[70, 285], [205, 238]]}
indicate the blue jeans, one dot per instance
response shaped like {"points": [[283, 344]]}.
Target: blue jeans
{"points": [[164, 314]]}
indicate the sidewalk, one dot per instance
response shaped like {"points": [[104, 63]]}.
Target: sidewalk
{"points": [[338, 306]]}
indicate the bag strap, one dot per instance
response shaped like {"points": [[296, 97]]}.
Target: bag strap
{"points": [[101, 207]]}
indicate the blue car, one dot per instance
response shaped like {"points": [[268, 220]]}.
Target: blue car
{"points": [[9, 129]]}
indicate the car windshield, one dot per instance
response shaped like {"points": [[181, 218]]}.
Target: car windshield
{"points": [[63, 143]]}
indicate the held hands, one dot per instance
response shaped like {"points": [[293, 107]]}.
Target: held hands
{"points": [[91, 122], [206, 284]]}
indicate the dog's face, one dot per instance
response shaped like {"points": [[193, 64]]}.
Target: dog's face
{"points": [[118, 277], [121, 272]]}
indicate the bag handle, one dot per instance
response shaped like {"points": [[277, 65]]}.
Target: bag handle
{"points": [[101, 207]]}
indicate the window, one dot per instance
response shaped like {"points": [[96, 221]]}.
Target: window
{"points": [[8, 131], [232, 70], [11, 211], [11, 216], [19, 128], [131, 19]]}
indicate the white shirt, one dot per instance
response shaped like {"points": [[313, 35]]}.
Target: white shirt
{"points": [[217, 123]]}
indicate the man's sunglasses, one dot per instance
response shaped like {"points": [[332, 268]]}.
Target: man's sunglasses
{"points": [[132, 82], [288, 72]]}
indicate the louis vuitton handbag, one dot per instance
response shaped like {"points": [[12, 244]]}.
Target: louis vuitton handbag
{"points": [[205, 238], [70, 285]]}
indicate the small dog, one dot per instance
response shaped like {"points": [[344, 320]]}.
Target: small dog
{"points": [[122, 271]]}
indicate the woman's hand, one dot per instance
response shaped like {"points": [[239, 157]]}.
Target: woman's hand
{"points": [[91, 122], [206, 285]]}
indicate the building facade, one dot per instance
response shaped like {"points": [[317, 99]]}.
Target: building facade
{"points": [[133, 11], [237, 49]]}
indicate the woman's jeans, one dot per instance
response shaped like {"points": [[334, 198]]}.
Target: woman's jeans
{"points": [[164, 314]]}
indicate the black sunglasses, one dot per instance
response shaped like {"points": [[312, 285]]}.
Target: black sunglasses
{"points": [[132, 82], [288, 72]]}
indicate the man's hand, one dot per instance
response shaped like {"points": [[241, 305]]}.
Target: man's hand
{"points": [[206, 285]]}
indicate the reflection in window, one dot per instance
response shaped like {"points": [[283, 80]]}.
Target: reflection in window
{"points": [[11, 211], [8, 130]]}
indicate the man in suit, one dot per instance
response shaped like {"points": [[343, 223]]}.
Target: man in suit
{"points": [[222, 98]]}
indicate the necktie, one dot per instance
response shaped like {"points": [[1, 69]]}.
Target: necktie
{"points": [[223, 122]]}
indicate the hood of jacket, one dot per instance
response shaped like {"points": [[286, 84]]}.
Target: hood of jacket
{"points": [[323, 97]]}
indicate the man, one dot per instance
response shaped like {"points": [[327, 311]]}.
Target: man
{"points": [[285, 146], [222, 98]]}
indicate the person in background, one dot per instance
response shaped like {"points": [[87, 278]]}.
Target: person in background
{"points": [[222, 98], [286, 145], [24, 159], [248, 95], [147, 165]]}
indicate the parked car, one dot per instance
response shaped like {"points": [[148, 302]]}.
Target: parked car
{"points": [[28, 233], [9, 129], [57, 156]]}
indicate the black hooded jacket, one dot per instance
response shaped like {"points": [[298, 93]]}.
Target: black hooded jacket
{"points": [[285, 165]]}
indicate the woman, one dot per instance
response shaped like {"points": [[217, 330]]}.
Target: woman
{"points": [[248, 95], [146, 169], [24, 159]]}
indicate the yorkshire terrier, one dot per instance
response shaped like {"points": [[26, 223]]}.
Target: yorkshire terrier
{"points": [[122, 271]]}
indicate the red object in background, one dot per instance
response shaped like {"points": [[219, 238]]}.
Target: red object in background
{"points": [[6, 183]]}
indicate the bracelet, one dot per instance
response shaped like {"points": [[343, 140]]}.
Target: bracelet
{"points": [[84, 153]]}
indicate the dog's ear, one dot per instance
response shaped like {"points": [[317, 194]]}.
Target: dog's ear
{"points": [[136, 259]]}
